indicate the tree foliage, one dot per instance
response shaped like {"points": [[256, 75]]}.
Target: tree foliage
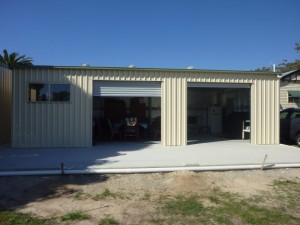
{"points": [[14, 59], [285, 66], [297, 46]]}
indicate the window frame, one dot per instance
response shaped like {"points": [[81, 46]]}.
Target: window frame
{"points": [[292, 99], [49, 92], [29, 92]]}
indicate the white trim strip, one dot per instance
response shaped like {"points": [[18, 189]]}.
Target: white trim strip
{"points": [[152, 169]]}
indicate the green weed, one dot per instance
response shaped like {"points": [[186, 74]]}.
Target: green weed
{"points": [[104, 194], [12, 218], [73, 216], [80, 195], [108, 221], [184, 206]]}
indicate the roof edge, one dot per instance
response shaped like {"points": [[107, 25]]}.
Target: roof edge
{"points": [[4, 65], [141, 69]]}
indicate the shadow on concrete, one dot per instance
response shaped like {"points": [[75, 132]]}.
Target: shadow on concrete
{"points": [[72, 158], [196, 139]]}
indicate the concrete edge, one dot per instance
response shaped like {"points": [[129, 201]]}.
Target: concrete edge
{"points": [[148, 170]]}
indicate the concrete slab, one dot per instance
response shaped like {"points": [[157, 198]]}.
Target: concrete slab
{"points": [[124, 155]]}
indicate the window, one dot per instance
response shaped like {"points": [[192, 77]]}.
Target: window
{"points": [[294, 97], [283, 115], [40, 92], [295, 115], [60, 92]]}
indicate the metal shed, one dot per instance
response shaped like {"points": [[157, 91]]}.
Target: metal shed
{"points": [[69, 123], [5, 104]]}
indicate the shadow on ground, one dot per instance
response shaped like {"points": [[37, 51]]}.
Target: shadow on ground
{"points": [[17, 191]]}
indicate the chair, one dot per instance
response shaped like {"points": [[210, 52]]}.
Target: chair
{"points": [[131, 128], [246, 128], [114, 130]]}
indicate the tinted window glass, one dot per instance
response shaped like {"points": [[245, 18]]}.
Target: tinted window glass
{"points": [[60, 92], [38, 92], [283, 115], [295, 115]]}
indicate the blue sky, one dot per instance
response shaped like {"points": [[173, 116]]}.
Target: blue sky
{"points": [[206, 34]]}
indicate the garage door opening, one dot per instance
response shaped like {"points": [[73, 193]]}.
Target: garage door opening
{"points": [[218, 112], [126, 111]]}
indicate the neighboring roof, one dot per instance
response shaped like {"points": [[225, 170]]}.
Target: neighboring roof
{"points": [[290, 76], [143, 69]]}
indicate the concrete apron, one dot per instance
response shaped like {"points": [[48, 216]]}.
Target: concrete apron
{"points": [[147, 157]]}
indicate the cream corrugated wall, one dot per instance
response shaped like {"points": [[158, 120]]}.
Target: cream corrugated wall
{"points": [[265, 111], [52, 124], [174, 114], [5, 104], [70, 124]]}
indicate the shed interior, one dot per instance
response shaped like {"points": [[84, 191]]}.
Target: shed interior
{"points": [[126, 118], [217, 113]]}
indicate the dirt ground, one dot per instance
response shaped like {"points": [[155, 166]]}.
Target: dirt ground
{"points": [[128, 198]]}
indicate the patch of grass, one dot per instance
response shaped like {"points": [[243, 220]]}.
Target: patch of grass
{"points": [[228, 209], [108, 221], [283, 182], [214, 199], [240, 209], [13, 218], [287, 192], [80, 195], [74, 216], [107, 193], [146, 197], [157, 221], [104, 194], [184, 206]]}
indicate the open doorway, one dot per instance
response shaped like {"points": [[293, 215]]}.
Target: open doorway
{"points": [[217, 114], [126, 110]]}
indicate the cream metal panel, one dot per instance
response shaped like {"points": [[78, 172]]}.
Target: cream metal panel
{"points": [[174, 114], [5, 104], [284, 88], [51, 124], [70, 124], [265, 111]]}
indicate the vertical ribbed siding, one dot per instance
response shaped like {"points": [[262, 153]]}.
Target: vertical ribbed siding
{"points": [[265, 111], [174, 114], [5, 104], [70, 124], [52, 124], [264, 102]]}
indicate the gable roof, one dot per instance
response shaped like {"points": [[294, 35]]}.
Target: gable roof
{"points": [[291, 76]]}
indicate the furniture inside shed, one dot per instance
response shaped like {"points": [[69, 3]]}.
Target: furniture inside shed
{"points": [[217, 113], [111, 116]]}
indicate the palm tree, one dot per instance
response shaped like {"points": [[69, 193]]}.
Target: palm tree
{"points": [[14, 59]]}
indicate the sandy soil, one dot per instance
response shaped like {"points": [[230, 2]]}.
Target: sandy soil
{"points": [[53, 196]]}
